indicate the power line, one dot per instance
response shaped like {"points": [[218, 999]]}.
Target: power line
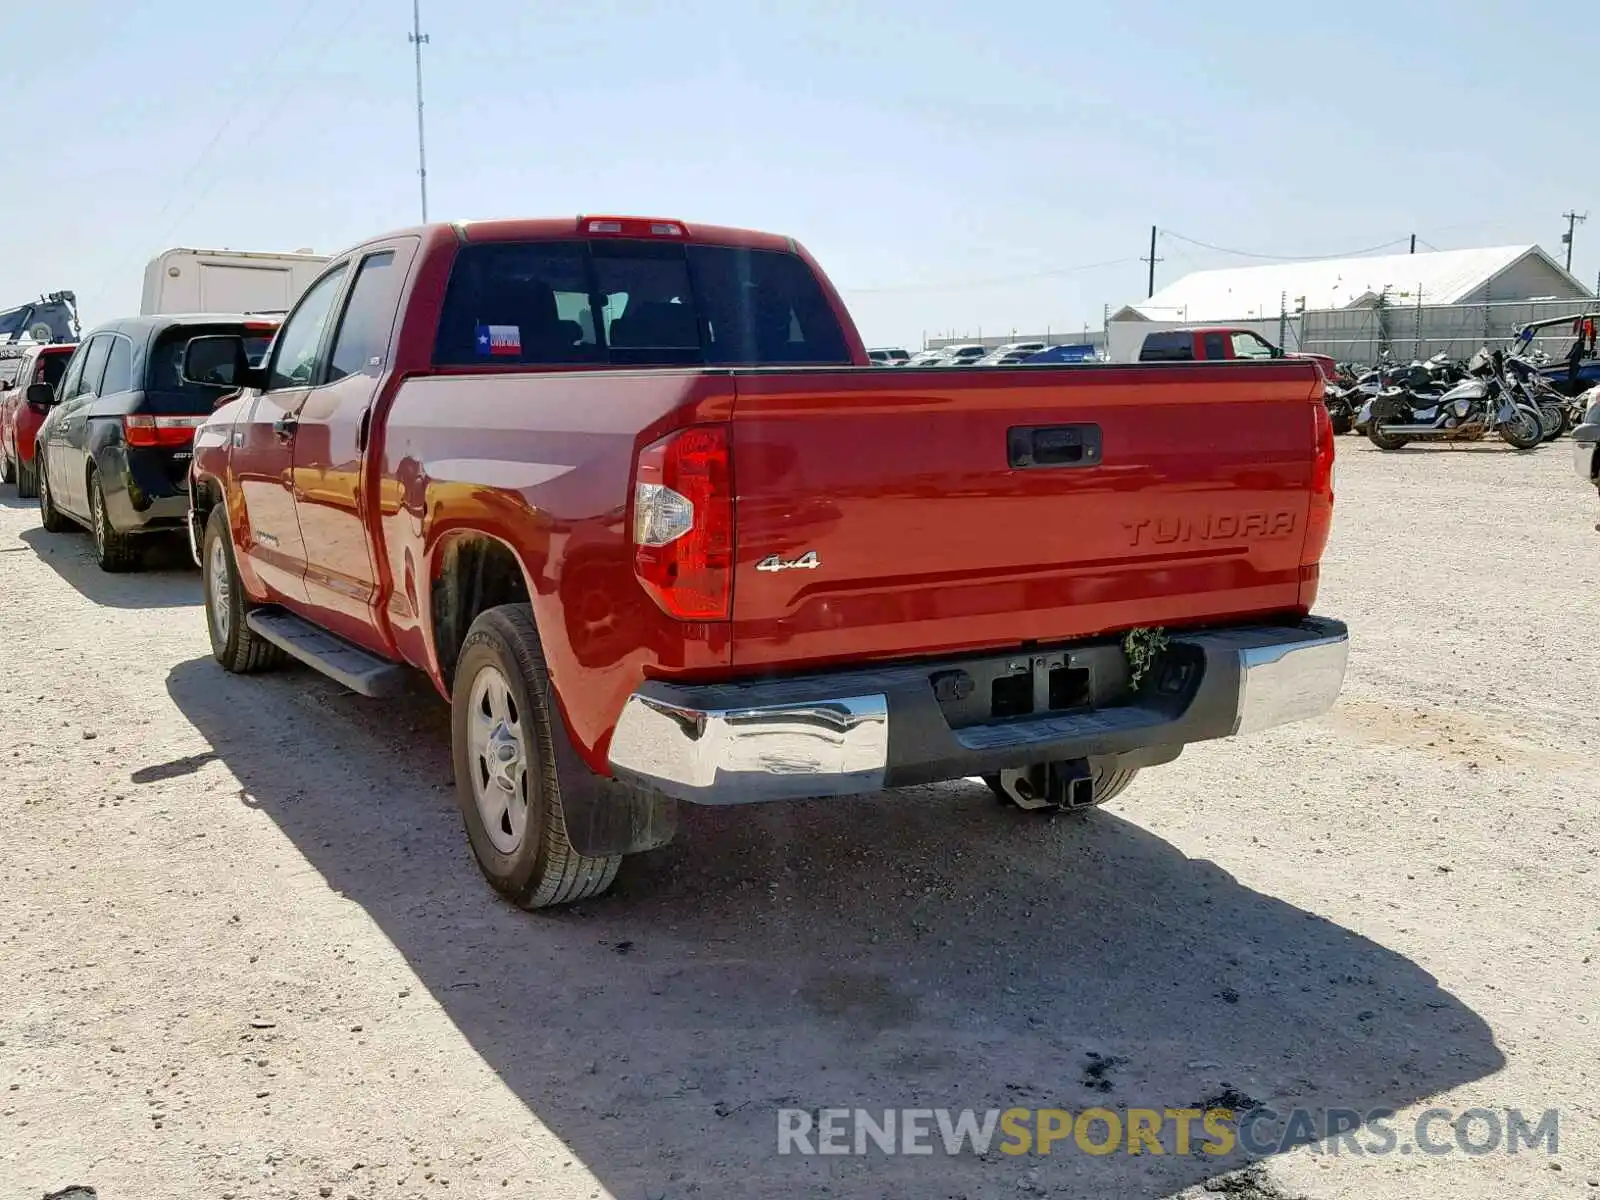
{"points": [[983, 283], [1281, 257], [194, 195]]}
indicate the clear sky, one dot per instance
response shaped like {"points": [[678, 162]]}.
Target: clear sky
{"points": [[952, 165]]}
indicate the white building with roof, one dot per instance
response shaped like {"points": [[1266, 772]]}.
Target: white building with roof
{"points": [[1257, 296], [1496, 273]]}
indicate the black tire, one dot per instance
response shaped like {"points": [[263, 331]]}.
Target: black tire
{"points": [[1523, 434], [1108, 785], [51, 517], [240, 649], [537, 868], [27, 480], [113, 550], [1384, 441], [8, 469], [1554, 422]]}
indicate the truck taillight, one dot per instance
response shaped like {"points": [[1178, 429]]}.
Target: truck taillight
{"points": [[142, 430], [632, 227], [1319, 517], [683, 523]]}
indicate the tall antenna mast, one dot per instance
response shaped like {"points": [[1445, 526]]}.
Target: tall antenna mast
{"points": [[419, 39]]}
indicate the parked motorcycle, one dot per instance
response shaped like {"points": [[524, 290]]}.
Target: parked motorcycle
{"points": [[1555, 410], [1483, 402]]}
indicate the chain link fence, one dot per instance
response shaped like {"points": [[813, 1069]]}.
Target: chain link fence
{"points": [[1423, 330]]}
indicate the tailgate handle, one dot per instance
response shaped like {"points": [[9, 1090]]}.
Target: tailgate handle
{"points": [[1053, 446]]}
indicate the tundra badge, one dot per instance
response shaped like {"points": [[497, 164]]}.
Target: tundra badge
{"points": [[806, 562]]}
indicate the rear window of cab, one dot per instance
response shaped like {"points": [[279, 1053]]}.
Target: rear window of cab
{"points": [[621, 302]]}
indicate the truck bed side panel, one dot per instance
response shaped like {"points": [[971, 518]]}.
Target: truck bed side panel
{"points": [[543, 462]]}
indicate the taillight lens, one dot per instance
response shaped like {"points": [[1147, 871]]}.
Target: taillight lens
{"points": [[1319, 518], [140, 429], [683, 523]]}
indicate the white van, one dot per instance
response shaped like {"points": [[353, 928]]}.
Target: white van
{"points": [[231, 281]]}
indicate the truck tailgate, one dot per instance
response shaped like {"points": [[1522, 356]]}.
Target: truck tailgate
{"points": [[890, 514]]}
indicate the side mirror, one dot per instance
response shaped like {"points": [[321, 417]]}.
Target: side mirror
{"points": [[5, 385], [218, 360], [41, 397]]}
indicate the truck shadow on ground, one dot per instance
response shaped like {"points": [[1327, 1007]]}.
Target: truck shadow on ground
{"points": [[919, 949], [167, 577]]}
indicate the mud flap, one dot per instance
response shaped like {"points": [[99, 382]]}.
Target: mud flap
{"points": [[604, 816]]}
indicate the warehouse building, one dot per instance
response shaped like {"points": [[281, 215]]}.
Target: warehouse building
{"points": [[1409, 305]]}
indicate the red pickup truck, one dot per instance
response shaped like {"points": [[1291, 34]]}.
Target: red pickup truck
{"points": [[1222, 344], [628, 492]]}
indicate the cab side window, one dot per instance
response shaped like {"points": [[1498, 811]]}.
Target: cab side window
{"points": [[297, 354]]}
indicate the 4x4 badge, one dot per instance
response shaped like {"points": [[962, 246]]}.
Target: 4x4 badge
{"points": [[806, 562]]}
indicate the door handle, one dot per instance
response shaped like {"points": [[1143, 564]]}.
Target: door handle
{"points": [[285, 426]]}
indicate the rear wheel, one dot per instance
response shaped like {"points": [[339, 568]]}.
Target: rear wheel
{"points": [[27, 479], [51, 517], [507, 783], [234, 644], [1382, 440], [1552, 417], [113, 550], [1108, 785]]}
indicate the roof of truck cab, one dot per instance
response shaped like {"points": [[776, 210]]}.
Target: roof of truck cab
{"points": [[533, 229]]}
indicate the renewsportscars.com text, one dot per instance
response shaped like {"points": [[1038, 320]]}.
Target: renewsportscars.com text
{"points": [[1181, 1131]]}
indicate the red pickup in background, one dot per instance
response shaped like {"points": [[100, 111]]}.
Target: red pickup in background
{"points": [[1222, 344], [628, 492]]}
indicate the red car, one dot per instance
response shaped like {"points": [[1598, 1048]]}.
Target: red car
{"points": [[630, 494], [19, 421]]}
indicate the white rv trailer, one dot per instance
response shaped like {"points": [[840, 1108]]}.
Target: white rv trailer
{"points": [[186, 280]]}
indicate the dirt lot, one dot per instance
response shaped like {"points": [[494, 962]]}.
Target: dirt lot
{"points": [[245, 951]]}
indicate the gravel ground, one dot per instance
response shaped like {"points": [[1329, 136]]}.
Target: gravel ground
{"points": [[246, 952]]}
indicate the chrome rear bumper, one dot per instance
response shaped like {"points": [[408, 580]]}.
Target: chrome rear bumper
{"points": [[861, 731]]}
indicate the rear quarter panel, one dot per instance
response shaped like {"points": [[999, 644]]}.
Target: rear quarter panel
{"points": [[543, 463]]}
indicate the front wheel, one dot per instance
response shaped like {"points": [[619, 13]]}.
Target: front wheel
{"points": [[507, 784], [1524, 431], [1553, 418], [1385, 441]]}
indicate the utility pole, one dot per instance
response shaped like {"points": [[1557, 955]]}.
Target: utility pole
{"points": [[1152, 260], [1413, 243], [419, 39], [1573, 218]]}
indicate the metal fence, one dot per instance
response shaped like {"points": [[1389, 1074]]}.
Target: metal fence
{"points": [[1051, 337], [1421, 331]]}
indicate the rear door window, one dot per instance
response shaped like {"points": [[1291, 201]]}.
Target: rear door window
{"points": [[166, 389], [626, 302], [119, 367], [1215, 346], [368, 316]]}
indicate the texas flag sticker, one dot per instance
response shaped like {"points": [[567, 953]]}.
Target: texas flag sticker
{"points": [[498, 340]]}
